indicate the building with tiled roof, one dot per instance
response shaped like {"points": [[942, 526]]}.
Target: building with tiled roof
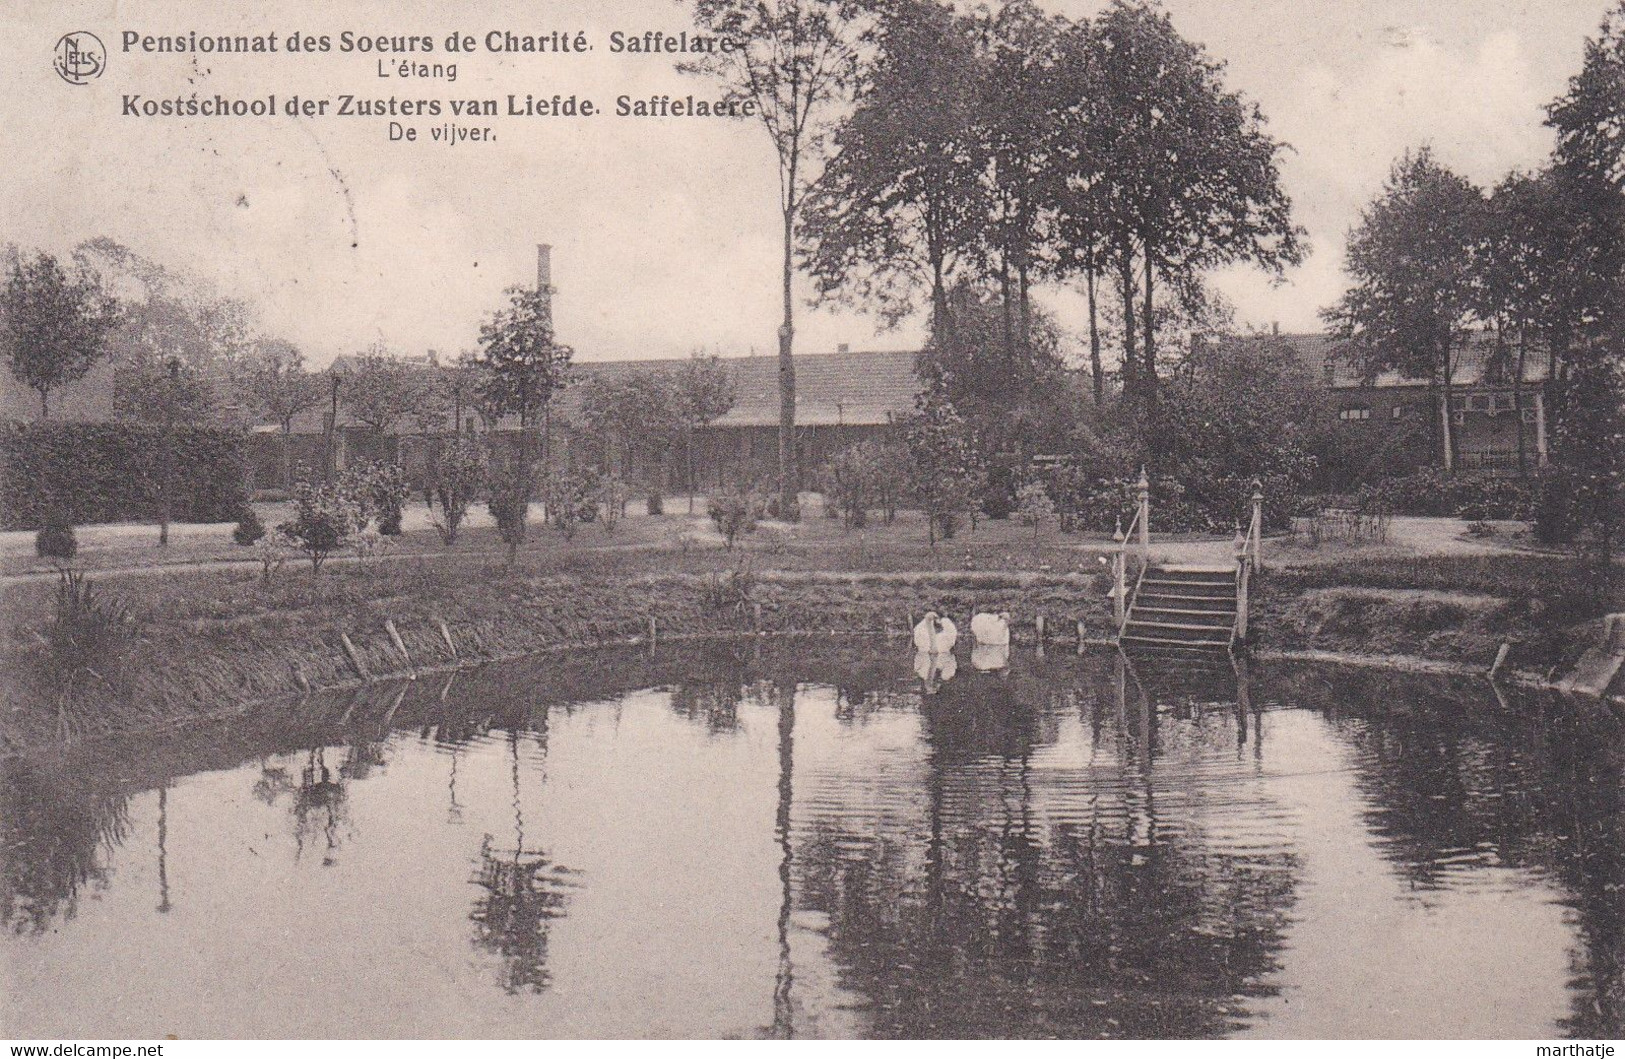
{"points": [[841, 398], [1397, 423]]}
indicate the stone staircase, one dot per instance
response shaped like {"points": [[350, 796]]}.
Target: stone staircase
{"points": [[1183, 608]]}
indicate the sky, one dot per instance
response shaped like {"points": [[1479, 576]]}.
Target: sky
{"points": [[665, 233]]}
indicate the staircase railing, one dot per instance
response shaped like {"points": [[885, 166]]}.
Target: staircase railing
{"points": [[1249, 560], [1139, 530]]}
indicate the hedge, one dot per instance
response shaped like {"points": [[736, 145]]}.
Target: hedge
{"points": [[113, 472]]}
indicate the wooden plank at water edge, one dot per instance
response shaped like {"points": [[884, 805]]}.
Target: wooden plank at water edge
{"points": [[1599, 666]]}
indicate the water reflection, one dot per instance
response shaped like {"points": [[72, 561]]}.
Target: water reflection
{"points": [[801, 840], [522, 891]]}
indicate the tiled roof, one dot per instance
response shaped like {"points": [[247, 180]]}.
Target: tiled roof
{"points": [[855, 389], [1468, 369]]}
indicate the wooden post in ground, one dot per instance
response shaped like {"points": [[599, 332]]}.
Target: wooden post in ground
{"points": [[400, 644], [355, 657], [1038, 624], [1081, 636]]}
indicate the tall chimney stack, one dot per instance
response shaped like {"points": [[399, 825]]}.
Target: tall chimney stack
{"points": [[544, 278], [544, 267]]}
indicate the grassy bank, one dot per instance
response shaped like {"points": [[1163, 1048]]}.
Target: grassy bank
{"points": [[1457, 609], [197, 643], [186, 642]]}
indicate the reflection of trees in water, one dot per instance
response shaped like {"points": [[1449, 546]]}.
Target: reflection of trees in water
{"points": [[56, 834], [1022, 906], [1454, 786], [319, 808], [714, 704], [522, 892]]}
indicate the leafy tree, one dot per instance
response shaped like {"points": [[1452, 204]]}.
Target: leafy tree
{"points": [[1589, 325], [632, 418], [168, 314], [382, 489], [459, 473], [1016, 400], [946, 469], [794, 66], [704, 393], [167, 396], [326, 518], [1191, 179], [380, 390], [570, 499], [272, 380], [1240, 410], [523, 365], [901, 204], [1019, 95], [1521, 275], [54, 326], [852, 482], [463, 382], [1411, 259], [1034, 508]]}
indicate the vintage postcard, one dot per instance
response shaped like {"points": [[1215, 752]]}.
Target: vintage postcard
{"points": [[768, 519]]}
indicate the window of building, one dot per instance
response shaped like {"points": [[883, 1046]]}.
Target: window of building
{"points": [[1349, 415], [1398, 411], [1529, 415]]}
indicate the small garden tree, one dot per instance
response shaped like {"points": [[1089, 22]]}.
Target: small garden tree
{"points": [[734, 513], [1034, 507], [381, 390], [54, 327], [382, 489], [326, 518], [271, 379], [851, 482], [522, 366], [705, 392], [458, 474], [946, 470]]}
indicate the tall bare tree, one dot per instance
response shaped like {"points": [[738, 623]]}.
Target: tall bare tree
{"points": [[793, 64]]}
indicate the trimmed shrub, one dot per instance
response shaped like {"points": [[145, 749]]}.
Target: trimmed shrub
{"points": [[249, 528], [56, 539], [1473, 497], [112, 472], [734, 513], [325, 519], [383, 489]]}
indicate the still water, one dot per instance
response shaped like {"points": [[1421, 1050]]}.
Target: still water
{"points": [[806, 839]]}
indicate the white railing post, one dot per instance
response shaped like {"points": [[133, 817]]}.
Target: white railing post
{"points": [[1145, 517], [1257, 531], [1119, 576]]}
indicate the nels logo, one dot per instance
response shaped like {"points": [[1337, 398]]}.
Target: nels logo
{"points": [[79, 57]]}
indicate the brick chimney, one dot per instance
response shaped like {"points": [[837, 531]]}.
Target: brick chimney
{"points": [[544, 276]]}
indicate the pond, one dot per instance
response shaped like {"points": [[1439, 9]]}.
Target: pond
{"points": [[804, 838]]}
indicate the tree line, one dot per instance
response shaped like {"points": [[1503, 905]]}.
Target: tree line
{"points": [[1536, 264]]}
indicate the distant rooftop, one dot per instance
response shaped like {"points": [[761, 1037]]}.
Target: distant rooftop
{"points": [[1316, 351], [850, 388], [846, 388]]}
